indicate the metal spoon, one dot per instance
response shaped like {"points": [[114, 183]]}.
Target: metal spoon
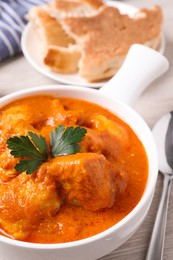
{"points": [[163, 135]]}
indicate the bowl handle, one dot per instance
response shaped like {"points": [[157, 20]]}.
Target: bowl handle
{"points": [[142, 65]]}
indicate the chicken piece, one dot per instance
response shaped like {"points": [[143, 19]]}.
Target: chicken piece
{"points": [[7, 164], [15, 120], [115, 134], [104, 136], [102, 124], [111, 132], [109, 138], [92, 142], [25, 201], [57, 114], [84, 179]]}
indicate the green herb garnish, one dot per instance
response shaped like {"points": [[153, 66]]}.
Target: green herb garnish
{"points": [[64, 141], [33, 148]]}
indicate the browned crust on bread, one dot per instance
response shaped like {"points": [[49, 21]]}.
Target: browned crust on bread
{"points": [[110, 33], [95, 3], [67, 6]]}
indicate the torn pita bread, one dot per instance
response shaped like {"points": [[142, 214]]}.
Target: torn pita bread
{"points": [[106, 37], [90, 37]]}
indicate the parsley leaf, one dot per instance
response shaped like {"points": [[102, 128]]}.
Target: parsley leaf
{"points": [[33, 148], [29, 165], [64, 141]]}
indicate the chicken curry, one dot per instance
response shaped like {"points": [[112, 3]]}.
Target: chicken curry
{"points": [[72, 196]]}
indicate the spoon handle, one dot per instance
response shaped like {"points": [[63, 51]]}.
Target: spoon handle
{"points": [[155, 250]]}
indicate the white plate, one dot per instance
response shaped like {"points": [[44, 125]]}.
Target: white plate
{"points": [[31, 51]]}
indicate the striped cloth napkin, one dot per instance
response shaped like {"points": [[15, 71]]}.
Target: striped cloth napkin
{"points": [[12, 23]]}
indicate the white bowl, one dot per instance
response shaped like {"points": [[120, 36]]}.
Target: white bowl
{"points": [[104, 242]]}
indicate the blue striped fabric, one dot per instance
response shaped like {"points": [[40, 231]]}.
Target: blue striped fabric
{"points": [[12, 23]]}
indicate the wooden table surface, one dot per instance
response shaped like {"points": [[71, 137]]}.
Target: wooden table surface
{"points": [[157, 100]]}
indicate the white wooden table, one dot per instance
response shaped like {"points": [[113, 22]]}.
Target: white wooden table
{"points": [[17, 73]]}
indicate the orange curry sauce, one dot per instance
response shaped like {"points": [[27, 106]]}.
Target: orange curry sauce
{"points": [[29, 204]]}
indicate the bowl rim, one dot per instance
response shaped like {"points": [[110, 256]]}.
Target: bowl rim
{"points": [[148, 190]]}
